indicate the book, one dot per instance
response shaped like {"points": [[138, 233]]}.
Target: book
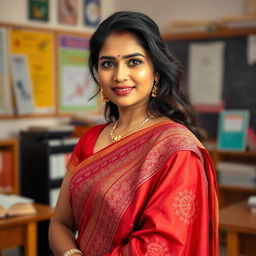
{"points": [[6, 171], [236, 174], [15, 205], [232, 181], [232, 130], [1, 170], [251, 139], [243, 21], [235, 168]]}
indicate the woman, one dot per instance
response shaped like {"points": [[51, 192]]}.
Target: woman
{"points": [[141, 184]]}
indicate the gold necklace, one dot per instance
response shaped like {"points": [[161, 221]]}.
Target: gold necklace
{"points": [[119, 137]]}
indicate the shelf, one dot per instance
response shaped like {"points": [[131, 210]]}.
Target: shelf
{"points": [[249, 154], [232, 194], [237, 189], [52, 115], [220, 33]]}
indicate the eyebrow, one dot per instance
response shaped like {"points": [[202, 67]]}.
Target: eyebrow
{"points": [[124, 57]]}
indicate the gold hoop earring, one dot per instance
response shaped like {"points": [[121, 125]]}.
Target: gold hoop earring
{"points": [[154, 92], [103, 97]]}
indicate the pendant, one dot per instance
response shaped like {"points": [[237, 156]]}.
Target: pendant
{"points": [[116, 138]]}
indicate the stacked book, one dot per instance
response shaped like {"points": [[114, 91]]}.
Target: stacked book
{"points": [[237, 174]]}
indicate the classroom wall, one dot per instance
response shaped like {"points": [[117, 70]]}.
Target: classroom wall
{"points": [[165, 11], [15, 12]]}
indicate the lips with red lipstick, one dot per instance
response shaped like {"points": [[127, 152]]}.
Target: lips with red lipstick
{"points": [[122, 90]]}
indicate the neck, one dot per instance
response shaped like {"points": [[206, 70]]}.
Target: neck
{"points": [[129, 118]]}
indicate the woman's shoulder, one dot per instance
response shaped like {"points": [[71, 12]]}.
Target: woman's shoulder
{"points": [[93, 131], [177, 137], [84, 147], [177, 129], [174, 128], [96, 128]]}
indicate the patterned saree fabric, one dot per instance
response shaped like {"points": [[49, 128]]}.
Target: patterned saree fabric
{"points": [[152, 193]]}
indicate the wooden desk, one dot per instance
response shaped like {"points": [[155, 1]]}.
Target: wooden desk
{"points": [[237, 219], [22, 230]]}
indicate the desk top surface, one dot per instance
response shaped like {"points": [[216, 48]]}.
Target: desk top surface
{"points": [[43, 212], [237, 217]]}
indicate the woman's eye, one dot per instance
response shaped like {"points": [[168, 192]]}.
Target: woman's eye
{"points": [[134, 62], [108, 64]]}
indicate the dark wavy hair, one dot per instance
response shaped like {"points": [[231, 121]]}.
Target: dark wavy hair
{"points": [[172, 101]]}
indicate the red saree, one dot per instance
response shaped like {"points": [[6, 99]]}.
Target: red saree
{"points": [[152, 193]]}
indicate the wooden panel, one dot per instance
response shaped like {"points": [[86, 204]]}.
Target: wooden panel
{"points": [[11, 237], [247, 244]]}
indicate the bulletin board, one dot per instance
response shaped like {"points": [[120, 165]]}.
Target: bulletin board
{"points": [[239, 88], [55, 66]]}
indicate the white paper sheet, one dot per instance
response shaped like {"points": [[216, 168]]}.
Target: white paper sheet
{"points": [[5, 93], [22, 84], [205, 81], [251, 49]]}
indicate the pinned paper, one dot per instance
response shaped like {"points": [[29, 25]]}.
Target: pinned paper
{"points": [[22, 84], [206, 68], [251, 49]]}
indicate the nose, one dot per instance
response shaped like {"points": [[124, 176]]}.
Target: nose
{"points": [[121, 73]]}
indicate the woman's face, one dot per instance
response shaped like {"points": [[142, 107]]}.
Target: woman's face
{"points": [[125, 71]]}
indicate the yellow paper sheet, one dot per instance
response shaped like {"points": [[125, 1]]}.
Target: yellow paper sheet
{"points": [[39, 48]]}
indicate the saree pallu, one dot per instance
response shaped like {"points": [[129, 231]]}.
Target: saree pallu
{"points": [[153, 193]]}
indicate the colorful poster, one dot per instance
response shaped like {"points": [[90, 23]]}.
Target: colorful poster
{"points": [[232, 130], [22, 85], [38, 10], [5, 92], [76, 85], [92, 10], [68, 11], [39, 49]]}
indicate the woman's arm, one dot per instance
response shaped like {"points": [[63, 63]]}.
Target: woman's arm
{"points": [[62, 231]]}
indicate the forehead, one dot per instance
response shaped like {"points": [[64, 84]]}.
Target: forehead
{"points": [[121, 43]]}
